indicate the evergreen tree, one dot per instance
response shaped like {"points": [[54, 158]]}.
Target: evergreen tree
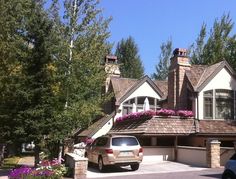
{"points": [[197, 49], [162, 67], [13, 50], [127, 54], [218, 46]]}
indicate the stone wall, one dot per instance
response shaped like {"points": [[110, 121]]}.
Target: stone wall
{"points": [[213, 153], [78, 164]]}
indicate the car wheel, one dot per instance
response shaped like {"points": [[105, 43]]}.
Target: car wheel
{"points": [[101, 166], [228, 176], [134, 167]]}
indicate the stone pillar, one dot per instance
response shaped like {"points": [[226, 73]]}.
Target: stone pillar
{"points": [[80, 170], [213, 153]]}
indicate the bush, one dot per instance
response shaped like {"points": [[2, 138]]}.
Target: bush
{"points": [[46, 169]]}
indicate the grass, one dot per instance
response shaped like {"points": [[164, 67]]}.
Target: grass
{"points": [[9, 163]]}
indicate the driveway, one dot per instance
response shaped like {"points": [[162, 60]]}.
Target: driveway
{"points": [[145, 168]]}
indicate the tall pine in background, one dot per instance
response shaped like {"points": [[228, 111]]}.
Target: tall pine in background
{"points": [[128, 55], [162, 68], [218, 46]]}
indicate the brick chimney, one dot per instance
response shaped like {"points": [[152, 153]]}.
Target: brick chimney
{"points": [[111, 68], [177, 88]]}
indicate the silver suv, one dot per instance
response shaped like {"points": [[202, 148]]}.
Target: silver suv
{"points": [[119, 150], [230, 168]]}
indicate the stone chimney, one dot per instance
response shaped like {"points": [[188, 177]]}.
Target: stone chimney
{"points": [[111, 68], [177, 88]]}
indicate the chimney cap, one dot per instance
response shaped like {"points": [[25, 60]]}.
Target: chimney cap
{"points": [[180, 52]]}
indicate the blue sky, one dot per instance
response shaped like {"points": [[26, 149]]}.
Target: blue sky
{"points": [[152, 22]]}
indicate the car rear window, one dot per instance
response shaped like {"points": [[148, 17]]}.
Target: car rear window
{"points": [[124, 141]]}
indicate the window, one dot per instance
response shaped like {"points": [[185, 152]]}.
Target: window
{"points": [[127, 141], [101, 141], [219, 104], [224, 104], [139, 103], [208, 104]]}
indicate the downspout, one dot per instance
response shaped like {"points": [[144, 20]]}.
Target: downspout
{"points": [[197, 105]]}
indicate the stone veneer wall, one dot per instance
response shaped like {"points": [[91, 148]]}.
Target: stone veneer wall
{"points": [[78, 164], [213, 153]]}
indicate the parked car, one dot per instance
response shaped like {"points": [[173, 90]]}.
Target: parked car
{"points": [[230, 168], [121, 150]]}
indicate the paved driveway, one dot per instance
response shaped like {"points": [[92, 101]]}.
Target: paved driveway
{"points": [[145, 168]]}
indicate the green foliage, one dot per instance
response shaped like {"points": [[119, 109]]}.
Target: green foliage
{"points": [[51, 75], [162, 67], [217, 46], [127, 54]]}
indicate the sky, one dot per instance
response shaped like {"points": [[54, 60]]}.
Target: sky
{"points": [[152, 22]]}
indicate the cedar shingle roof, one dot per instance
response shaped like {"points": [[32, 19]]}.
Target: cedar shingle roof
{"points": [[121, 86], [199, 75], [155, 126], [175, 126], [217, 127], [163, 86], [91, 130]]}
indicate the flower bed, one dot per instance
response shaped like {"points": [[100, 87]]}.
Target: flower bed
{"points": [[46, 169], [149, 114]]}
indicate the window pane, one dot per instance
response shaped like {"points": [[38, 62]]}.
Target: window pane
{"points": [[141, 100], [124, 141], [208, 107], [224, 104]]}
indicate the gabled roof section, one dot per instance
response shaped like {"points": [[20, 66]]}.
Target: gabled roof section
{"points": [[96, 126], [200, 75], [137, 85], [121, 86], [163, 86]]}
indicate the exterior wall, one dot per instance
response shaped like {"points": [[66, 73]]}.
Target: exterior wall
{"points": [[104, 130], [158, 154], [192, 155], [144, 90], [223, 80]]}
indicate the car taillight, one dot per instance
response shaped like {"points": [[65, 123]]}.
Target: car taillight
{"points": [[141, 150], [109, 151]]}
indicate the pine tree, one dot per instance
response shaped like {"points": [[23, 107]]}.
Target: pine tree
{"points": [[218, 46], [12, 52], [197, 49], [127, 54], [162, 67]]}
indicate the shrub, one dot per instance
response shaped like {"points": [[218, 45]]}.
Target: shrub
{"points": [[46, 169]]}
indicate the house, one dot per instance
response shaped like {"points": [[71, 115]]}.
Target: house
{"points": [[209, 91]]}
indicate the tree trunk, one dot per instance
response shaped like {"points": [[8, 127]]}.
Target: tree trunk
{"points": [[36, 155]]}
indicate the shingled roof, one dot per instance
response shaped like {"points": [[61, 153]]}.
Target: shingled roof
{"points": [[123, 87], [217, 127], [155, 126], [200, 75], [96, 126]]}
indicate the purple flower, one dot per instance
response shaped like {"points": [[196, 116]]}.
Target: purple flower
{"points": [[185, 113], [18, 173], [165, 112]]}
